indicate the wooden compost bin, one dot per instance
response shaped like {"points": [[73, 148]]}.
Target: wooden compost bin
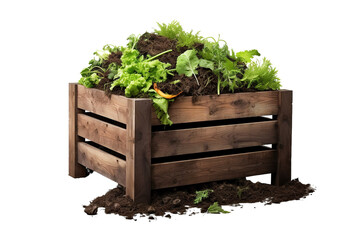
{"points": [[215, 138]]}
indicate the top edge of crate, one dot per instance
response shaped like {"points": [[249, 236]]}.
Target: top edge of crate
{"points": [[224, 106], [183, 109]]}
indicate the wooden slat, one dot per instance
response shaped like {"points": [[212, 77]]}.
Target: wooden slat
{"points": [[225, 106], [96, 101], [75, 169], [283, 146], [102, 162], [103, 133], [138, 152], [187, 172], [206, 139]]}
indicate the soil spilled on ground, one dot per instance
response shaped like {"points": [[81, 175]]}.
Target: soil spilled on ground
{"points": [[178, 200]]}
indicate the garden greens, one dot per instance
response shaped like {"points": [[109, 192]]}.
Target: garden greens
{"points": [[135, 73]]}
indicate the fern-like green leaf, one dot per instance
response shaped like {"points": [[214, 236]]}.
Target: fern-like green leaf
{"points": [[262, 76], [200, 195], [175, 31], [215, 208]]}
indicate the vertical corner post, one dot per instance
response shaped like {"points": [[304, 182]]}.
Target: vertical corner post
{"points": [[138, 150], [283, 146], [76, 170]]}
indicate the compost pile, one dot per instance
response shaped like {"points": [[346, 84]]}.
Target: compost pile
{"points": [[171, 62], [207, 196]]}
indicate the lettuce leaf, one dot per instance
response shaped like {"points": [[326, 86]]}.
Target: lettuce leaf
{"points": [[247, 55], [187, 63], [261, 75]]}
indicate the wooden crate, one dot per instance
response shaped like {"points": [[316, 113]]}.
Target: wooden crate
{"points": [[215, 138]]}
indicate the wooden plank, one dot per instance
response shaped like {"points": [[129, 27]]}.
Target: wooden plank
{"points": [[283, 146], [102, 162], [206, 139], [95, 100], [225, 106], [75, 169], [103, 133], [138, 154], [172, 174]]}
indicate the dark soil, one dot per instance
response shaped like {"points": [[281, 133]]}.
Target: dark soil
{"points": [[153, 44], [113, 58], [178, 200], [105, 84]]}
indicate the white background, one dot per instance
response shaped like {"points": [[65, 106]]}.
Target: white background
{"points": [[44, 45]]}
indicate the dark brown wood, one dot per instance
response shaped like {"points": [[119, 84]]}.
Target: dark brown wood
{"points": [[138, 154], [283, 146], [225, 106], [95, 100], [206, 139], [75, 169], [103, 133], [187, 172], [139, 144], [102, 162]]}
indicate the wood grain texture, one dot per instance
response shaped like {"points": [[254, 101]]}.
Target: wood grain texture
{"points": [[102, 162], [95, 100], [75, 169], [201, 170], [225, 106], [138, 154], [284, 118], [206, 139], [103, 133]]}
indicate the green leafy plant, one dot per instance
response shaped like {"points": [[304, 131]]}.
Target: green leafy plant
{"points": [[261, 75], [187, 63], [247, 55], [215, 208], [217, 51], [200, 195], [90, 81], [136, 73], [105, 52], [175, 31], [161, 106], [240, 191]]}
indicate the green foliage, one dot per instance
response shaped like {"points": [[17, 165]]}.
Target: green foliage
{"points": [[137, 75], [105, 52], [175, 31], [261, 75], [215, 208], [91, 75], [200, 195], [133, 39], [161, 106], [217, 51], [240, 191], [206, 64], [90, 81], [187, 63], [247, 55]]}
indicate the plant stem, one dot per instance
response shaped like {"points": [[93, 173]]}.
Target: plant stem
{"points": [[158, 55], [218, 86], [196, 79]]}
